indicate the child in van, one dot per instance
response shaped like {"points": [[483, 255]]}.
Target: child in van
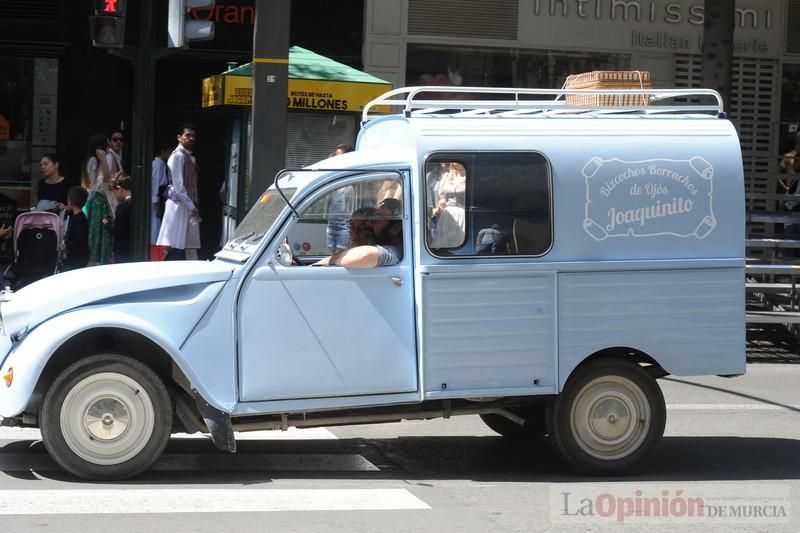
{"points": [[76, 240], [122, 219]]}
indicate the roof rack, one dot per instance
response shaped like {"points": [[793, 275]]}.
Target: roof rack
{"points": [[474, 102]]}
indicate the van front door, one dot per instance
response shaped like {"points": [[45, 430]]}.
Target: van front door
{"points": [[314, 331]]}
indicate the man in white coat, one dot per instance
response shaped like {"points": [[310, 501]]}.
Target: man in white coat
{"points": [[180, 227]]}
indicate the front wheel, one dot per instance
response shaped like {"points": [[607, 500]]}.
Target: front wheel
{"points": [[106, 417], [609, 417]]}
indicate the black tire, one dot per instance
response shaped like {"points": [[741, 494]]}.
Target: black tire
{"points": [[609, 418], [125, 423], [534, 427]]}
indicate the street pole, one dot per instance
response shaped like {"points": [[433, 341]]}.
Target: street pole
{"points": [[270, 88], [718, 47], [142, 134]]}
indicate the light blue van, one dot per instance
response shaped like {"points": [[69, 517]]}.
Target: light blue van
{"points": [[542, 264]]}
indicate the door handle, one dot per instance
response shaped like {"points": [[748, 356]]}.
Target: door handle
{"points": [[397, 280]]}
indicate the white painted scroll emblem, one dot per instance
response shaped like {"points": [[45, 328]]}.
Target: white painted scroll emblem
{"points": [[649, 198]]}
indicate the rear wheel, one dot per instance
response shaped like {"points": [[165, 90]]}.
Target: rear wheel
{"points": [[106, 417], [533, 428], [609, 418]]}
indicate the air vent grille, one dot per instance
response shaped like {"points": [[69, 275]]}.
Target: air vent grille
{"points": [[476, 19], [792, 24]]}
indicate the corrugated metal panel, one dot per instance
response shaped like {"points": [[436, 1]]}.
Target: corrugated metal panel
{"points": [[477, 19], [44, 10], [752, 112], [690, 321], [488, 331], [792, 24]]}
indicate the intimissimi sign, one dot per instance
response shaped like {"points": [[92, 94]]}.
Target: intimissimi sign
{"points": [[649, 11], [645, 25]]}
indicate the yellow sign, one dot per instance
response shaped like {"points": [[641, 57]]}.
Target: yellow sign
{"points": [[319, 95], [333, 95], [212, 91], [238, 90]]}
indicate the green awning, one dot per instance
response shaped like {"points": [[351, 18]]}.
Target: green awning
{"points": [[315, 82]]}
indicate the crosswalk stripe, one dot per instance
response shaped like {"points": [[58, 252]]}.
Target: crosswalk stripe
{"points": [[20, 434], [12, 433], [138, 501], [257, 462]]}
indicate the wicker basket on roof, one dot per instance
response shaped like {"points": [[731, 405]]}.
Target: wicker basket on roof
{"points": [[609, 79]]}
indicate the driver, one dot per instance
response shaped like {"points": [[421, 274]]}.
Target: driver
{"points": [[388, 248], [361, 226]]}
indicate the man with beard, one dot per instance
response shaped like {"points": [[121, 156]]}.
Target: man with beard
{"points": [[180, 227], [388, 247]]}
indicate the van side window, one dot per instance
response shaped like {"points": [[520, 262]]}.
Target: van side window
{"points": [[341, 218], [491, 204]]}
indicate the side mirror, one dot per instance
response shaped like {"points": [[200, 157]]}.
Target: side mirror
{"points": [[284, 254]]}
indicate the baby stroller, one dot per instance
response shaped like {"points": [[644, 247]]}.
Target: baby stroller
{"points": [[37, 235]]}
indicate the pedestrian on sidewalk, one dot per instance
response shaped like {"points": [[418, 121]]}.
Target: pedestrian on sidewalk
{"points": [[53, 186], [158, 191], [122, 219], [76, 238], [99, 206], [114, 154], [180, 227]]}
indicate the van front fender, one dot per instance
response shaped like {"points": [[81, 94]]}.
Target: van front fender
{"points": [[29, 358]]}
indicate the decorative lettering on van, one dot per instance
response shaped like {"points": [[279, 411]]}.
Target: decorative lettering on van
{"points": [[649, 198]]}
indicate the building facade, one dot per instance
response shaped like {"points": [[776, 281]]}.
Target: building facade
{"points": [[537, 43], [56, 89]]}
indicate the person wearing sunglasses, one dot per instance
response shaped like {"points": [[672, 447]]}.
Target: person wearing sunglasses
{"points": [[114, 154]]}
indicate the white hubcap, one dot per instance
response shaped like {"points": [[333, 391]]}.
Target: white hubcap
{"points": [[610, 417], [107, 418]]}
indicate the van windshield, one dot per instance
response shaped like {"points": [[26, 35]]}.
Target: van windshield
{"points": [[260, 218]]}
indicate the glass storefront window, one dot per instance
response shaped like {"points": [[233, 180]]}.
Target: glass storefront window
{"points": [[471, 66], [16, 104], [28, 117]]}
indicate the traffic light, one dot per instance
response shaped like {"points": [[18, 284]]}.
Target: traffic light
{"points": [[182, 27], [107, 25]]}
